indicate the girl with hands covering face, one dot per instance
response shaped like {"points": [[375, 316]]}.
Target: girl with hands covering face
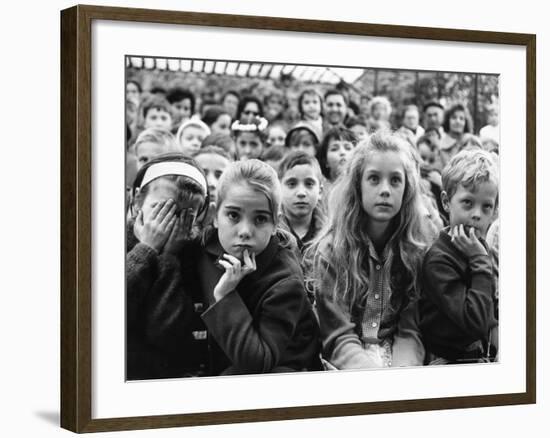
{"points": [[169, 193], [367, 257], [156, 227]]}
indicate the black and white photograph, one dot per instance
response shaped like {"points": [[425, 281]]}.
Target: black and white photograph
{"points": [[285, 218], [275, 219]]}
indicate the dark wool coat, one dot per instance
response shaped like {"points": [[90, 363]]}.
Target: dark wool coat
{"points": [[267, 324]]}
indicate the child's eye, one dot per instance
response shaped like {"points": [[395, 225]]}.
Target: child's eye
{"points": [[488, 207], [233, 215], [218, 174], [373, 178], [260, 220], [396, 180], [467, 202], [291, 184]]}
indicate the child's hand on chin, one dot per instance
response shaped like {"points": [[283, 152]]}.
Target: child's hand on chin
{"points": [[469, 244], [234, 273], [155, 229]]}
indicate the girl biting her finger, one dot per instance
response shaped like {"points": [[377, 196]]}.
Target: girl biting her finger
{"points": [[259, 319]]}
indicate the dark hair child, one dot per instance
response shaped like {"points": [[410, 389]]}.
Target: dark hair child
{"points": [[165, 337]]}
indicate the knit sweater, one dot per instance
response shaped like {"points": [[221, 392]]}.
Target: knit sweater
{"points": [[458, 306], [163, 329]]}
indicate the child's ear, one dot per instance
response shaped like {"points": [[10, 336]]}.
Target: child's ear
{"points": [[445, 200], [495, 212]]}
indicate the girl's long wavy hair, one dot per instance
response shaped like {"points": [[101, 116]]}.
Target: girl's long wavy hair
{"points": [[342, 244]]}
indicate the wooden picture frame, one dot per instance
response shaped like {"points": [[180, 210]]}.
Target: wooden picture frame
{"points": [[76, 217]]}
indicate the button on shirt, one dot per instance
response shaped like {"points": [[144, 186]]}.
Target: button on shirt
{"points": [[378, 294]]}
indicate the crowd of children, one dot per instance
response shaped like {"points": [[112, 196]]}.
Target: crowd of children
{"points": [[340, 242]]}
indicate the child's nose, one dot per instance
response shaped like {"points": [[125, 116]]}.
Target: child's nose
{"points": [[384, 188], [476, 213], [211, 180], [245, 229]]}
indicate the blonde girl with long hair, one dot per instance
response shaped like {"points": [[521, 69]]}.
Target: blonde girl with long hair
{"points": [[367, 259]]}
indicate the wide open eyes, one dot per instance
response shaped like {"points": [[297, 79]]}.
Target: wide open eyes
{"points": [[262, 219], [396, 180], [233, 215]]}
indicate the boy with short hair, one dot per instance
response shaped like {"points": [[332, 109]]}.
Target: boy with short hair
{"points": [[273, 156], [157, 113], [459, 299], [182, 102], [191, 134], [359, 127], [303, 137], [152, 143], [301, 183], [213, 160]]}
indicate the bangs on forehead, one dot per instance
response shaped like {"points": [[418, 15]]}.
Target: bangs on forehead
{"points": [[257, 188], [260, 189], [473, 180], [300, 134], [469, 168], [404, 157], [253, 174]]}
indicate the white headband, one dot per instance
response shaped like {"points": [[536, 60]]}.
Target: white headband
{"points": [[174, 168]]}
